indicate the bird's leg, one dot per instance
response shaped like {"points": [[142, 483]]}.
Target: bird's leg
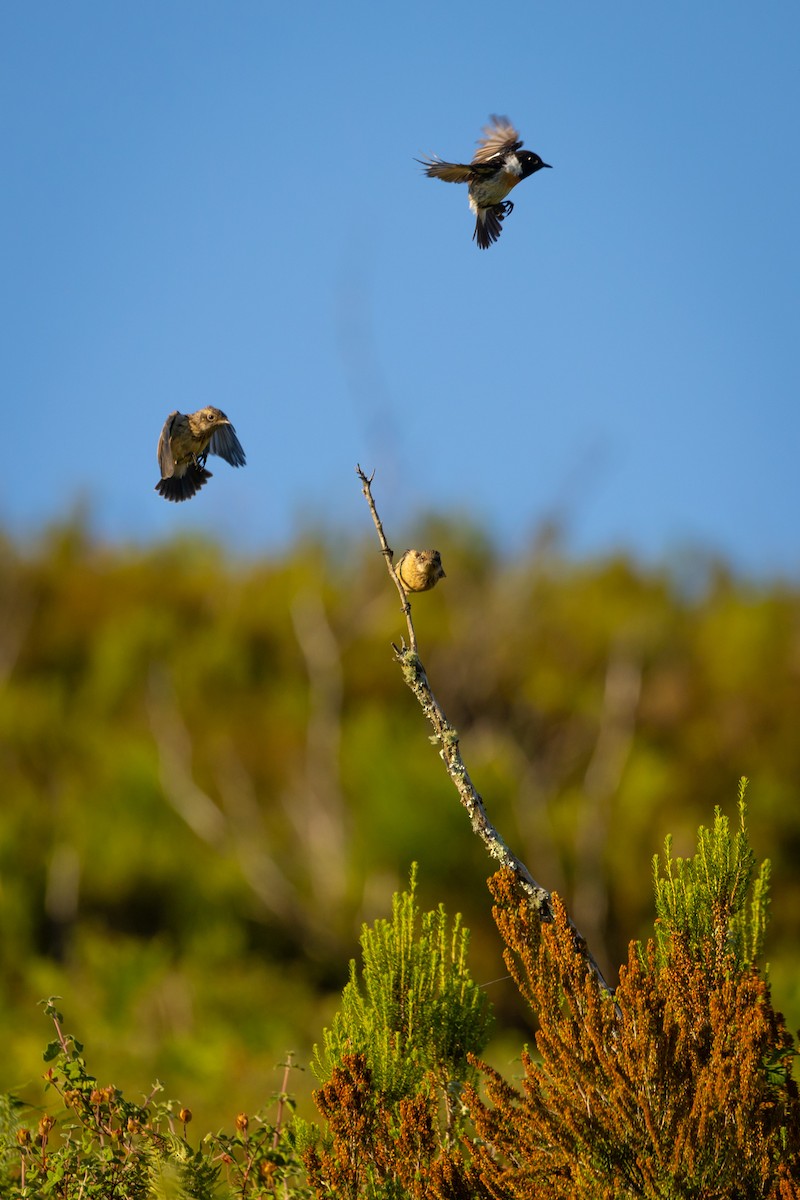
{"points": [[507, 206]]}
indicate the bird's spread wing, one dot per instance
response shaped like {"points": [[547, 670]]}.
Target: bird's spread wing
{"points": [[226, 444], [498, 138], [165, 459], [449, 172]]}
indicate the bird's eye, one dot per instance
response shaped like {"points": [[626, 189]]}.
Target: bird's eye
{"points": [[211, 415]]}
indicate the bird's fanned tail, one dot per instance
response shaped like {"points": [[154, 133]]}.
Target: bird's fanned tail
{"points": [[183, 487], [488, 226]]}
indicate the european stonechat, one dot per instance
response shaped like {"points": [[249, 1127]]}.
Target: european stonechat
{"points": [[498, 165], [186, 442]]}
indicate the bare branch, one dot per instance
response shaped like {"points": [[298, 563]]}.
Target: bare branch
{"points": [[447, 739], [388, 554]]}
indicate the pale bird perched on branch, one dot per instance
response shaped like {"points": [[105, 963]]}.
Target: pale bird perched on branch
{"points": [[498, 165], [419, 570], [186, 442]]}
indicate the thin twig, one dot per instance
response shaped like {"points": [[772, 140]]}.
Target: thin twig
{"points": [[388, 554], [287, 1066], [447, 739]]}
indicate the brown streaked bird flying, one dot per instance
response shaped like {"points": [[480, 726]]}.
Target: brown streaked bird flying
{"points": [[186, 442], [498, 165], [419, 570]]}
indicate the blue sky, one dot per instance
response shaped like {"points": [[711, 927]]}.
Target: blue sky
{"points": [[208, 203]]}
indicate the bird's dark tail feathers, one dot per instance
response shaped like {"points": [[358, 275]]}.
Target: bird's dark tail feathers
{"points": [[488, 226], [183, 487]]}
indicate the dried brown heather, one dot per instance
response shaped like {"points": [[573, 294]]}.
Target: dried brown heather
{"points": [[678, 1087], [373, 1151], [349, 1104]]}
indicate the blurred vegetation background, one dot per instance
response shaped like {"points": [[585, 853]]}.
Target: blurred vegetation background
{"points": [[212, 773]]}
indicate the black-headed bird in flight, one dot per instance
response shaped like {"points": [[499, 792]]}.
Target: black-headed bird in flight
{"points": [[498, 165]]}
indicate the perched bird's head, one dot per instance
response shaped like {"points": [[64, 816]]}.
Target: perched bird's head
{"points": [[205, 420], [530, 162], [420, 570]]}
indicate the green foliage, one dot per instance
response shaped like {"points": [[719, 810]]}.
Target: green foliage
{"points": [[679, 1086], [395, 1062], [711, 901], [109, 1148], [413, 1007], [212, 775]]}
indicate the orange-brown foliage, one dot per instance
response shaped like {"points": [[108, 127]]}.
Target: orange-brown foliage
{"points": [[677, 1087], [374, 1150]]}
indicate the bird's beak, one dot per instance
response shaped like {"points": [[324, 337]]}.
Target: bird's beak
{"points": [[547, 165]]}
